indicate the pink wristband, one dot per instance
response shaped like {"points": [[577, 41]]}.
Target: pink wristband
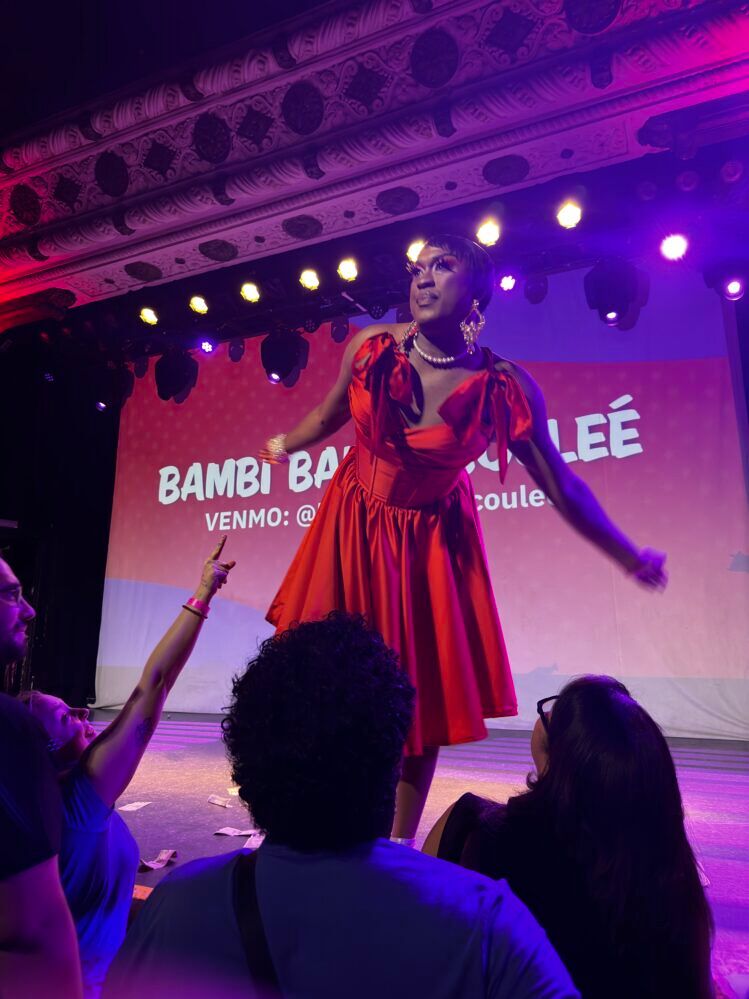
{"points": [[199, 605]]}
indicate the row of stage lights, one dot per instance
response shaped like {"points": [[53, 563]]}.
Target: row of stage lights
{"points": [[673, 247]]}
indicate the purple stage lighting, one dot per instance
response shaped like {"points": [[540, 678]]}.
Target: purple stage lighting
{"points": [[207, 347], [101, 406], [612, 318], [507, 282], [733, 289], [674, 247], [273, 376]]}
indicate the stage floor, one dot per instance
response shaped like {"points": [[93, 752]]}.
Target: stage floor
{"points": [[185, 763]]}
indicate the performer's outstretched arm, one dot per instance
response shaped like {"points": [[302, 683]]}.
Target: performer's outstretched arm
{"points": [[113, 757], [329, 415], [574, 499]]}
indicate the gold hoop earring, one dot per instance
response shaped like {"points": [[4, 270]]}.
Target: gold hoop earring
{"points": [[472, 325]]}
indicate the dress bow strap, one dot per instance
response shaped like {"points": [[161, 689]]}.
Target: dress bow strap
{"points": [[385, 373], [494, 396]]}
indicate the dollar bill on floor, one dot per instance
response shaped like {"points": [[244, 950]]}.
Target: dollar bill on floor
{"points": [[231, 831], [164, 857], [215, 799], [133, 806]]}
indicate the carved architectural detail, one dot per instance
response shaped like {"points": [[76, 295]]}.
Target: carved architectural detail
{"points": [[410, 104]]}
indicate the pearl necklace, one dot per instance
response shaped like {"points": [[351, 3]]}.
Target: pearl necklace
{"points": [[439, 362]]}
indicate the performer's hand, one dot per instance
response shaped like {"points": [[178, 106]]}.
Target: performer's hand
{"points": [[214, 573], [274, 450], [650, 571]]}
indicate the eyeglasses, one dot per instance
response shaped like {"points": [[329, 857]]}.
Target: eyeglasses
{"points": [[543, 714], [11, 594]]}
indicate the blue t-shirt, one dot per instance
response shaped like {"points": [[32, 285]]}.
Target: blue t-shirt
{"points": [[98, 861], [380, 921]]}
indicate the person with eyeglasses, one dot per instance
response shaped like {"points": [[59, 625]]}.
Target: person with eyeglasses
{"points": [[596, 848], [38, 951], [99, 856]]}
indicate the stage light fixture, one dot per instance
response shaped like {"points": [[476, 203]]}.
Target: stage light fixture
{"points": [[309, 279], [347, 269], [377, 310], [536, 288], [148, 316], [310, 324], [616, 290], [339, 329], [507, 282], [728, 277], [280, 354], [415, 249], [488, 232], [569, 214], [236, 350], [250, 292], [176, 372], [674, 247], [733, 289], [207, 346], [198, 304], [49, 377], [112, 384]]}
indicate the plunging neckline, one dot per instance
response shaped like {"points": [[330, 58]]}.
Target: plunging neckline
{"points": [[485, 369]]}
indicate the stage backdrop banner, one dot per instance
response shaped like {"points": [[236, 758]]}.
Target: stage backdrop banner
{"points": [[646, 417]]}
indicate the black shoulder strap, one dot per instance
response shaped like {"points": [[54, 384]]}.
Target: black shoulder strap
{"points": [[247, 911]]}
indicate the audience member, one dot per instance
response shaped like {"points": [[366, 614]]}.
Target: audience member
{"points": [[596, 848], [99, 856], [328, 907], [38, 953]]}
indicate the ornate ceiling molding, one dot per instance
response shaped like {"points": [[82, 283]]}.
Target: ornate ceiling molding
{"points": [[385, 109]]}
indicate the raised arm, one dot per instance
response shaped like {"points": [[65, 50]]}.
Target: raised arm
{"points": [[112, 759], [328, 416], [574, 499]]}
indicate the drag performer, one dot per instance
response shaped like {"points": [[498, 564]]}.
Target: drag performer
{"points": [[397, 535]]}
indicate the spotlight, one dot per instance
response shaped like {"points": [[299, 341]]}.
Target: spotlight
{"points": [[415, 249], [49, 377], [536, 288], [348, 270], [616, 290], [236, 350], [198, 304], [733, 289], [674, 247], [308, 279], [101, 406], [207, 346], [280, 354], [488, 232], [569, 214], [176, 372], [729, 278], [250, 292], [310, 324], [507, 282], [148, 316]]}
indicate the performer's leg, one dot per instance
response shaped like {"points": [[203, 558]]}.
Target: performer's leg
{"points": [[413, 788]]}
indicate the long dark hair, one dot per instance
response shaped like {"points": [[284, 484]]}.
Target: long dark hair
{"points": [[611, 799]]}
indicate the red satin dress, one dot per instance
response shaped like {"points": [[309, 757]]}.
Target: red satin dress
{"points": [[397, 538]]}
